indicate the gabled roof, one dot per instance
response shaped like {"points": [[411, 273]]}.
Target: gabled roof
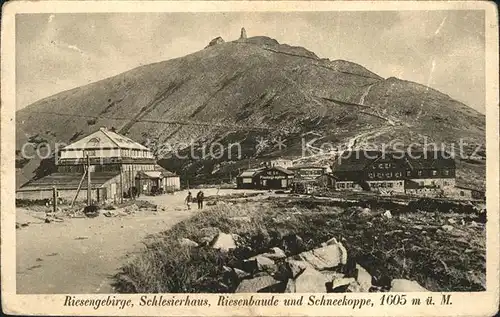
{"points": [[104, 138], [360, 159], [281, 169], [355, 160], [429, 160]]}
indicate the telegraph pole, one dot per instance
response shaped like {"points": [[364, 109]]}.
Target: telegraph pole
{"points": [[89, 186]]}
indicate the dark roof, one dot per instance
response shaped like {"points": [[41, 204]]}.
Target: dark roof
{"points": [[355, 160], [429, 160], [360, 159], [69, 180], [296, 167], [281, 169]]}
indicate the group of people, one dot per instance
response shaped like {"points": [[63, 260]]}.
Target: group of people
{"points": [[199, 199]]}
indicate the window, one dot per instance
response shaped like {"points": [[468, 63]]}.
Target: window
{"points": [[387, 165], [388, 175], [462, 193], [400, 183], [380, 175], [419, 173], [370, 175], [381, 165], [434, 173], [389, 185], [408, 173], [397, 174], [446, 172]]}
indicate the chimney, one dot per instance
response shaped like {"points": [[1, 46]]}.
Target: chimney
{"points": [[243, 34]]}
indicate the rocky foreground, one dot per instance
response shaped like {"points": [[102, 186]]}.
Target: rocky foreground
{"points": [[282, 245]]}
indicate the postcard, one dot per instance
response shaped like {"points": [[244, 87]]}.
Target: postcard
{"points": [[250, 158]]}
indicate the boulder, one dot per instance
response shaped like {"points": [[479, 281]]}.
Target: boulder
{"points": [[354, 287], [240, 273], [208, 235], [447, 228], [312, 281], [275, 253], [290, 286], [224, 242], [187, 243], [324, 257], [363, 278], [259, 263], [290, 269], [256, 284], [342, 281], [402, 285]]}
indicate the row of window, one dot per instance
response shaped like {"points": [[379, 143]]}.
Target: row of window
{"points": [[384, 166], [433, 173], [136, 153], [384, 175], [346, 185], [373, 175], [385, 185]]}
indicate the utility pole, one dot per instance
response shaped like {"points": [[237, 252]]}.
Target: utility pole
{"points": [[121, 184], [89, 186], [54, 200]]}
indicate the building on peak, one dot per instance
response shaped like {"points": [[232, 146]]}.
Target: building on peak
{"points": [[215, 41]]}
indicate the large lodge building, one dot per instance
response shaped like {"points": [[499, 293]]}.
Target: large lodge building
{"points": [[411, 172], [116, 163]]}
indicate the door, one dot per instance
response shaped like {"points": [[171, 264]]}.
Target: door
{"points": [[113, 190]]}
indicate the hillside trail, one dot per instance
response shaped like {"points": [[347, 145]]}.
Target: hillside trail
{"points": [[80, 255]]}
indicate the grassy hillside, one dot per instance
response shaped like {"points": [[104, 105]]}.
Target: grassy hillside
{"points": [[241, 90]]}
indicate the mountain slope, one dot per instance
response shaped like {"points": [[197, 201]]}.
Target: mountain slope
{"points": [[242, 90]]}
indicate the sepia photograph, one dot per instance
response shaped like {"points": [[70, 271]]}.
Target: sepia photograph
{"points": [[251, 151]]}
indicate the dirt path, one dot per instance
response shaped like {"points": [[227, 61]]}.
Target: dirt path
{"points": [[80, 255]]}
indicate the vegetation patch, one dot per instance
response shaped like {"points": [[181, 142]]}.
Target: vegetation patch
{"points": [[442, 252]]}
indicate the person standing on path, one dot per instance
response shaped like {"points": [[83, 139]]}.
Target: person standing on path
{"points": [[199, 199], [188, 200]]}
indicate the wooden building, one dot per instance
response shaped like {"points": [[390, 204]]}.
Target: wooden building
{"points": [[428, 173], [307, 178], [276, 178], [280, 162], [113, 161], [157, 181]]}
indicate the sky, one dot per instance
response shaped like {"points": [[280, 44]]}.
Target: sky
{"points": [[442, 49]]}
